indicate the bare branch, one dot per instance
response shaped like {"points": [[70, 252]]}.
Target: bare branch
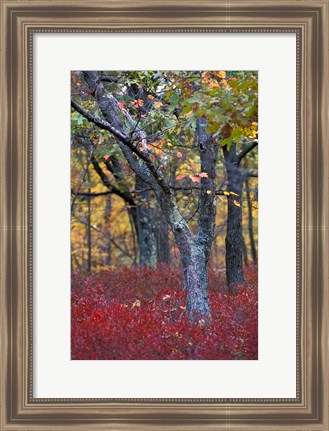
{"points": [[109, 192], [252, 174], [126, 196], [246, 150]]}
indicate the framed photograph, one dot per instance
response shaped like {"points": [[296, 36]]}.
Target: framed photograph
{"points": [[164, 217]]}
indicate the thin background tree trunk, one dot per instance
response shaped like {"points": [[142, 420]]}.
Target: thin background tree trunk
{"points": [[145, 222], [250, 224]]}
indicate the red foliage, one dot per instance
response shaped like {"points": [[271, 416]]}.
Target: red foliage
{"points": [[140, 314]]}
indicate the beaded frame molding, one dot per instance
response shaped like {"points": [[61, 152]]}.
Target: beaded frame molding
{"points": [[21, 20]]}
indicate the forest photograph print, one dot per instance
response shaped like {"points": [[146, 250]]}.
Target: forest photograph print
{"points": [[164, 215]]}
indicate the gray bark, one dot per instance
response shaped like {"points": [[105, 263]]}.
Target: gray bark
{"points": [[162, 237], [207, 203], [193, 260], [145, 225], [233, 240], [195, 273]]}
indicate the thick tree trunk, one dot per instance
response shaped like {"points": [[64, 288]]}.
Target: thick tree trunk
{"points": [[162, 237], [195, 252], [145, 225], [194, 262], [233, 240], [195, 273]]}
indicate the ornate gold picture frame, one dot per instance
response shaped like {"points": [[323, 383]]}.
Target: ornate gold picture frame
{"points": [[20, 21]]}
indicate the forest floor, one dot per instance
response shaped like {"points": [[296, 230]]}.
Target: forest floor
{"points": [[133, 313]]}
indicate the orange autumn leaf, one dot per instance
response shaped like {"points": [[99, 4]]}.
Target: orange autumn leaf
{"points": [[203, 175], [214, 84], [180, 177], [205, 77], [138, 103], [160, 143], [221, 74], [159, 152]]}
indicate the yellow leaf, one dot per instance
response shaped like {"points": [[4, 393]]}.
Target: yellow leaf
{"points": [[236, 203], [150, 96], [137, 303], [221, 74], [208, 192], [158, 104], [214, 84], [234, 194], [227, 193]]}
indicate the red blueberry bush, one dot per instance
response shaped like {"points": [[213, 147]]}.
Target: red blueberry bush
{"points": [[135, 313]]}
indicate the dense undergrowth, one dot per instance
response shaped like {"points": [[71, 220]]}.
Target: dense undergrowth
{"points": [[135, 313]]}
